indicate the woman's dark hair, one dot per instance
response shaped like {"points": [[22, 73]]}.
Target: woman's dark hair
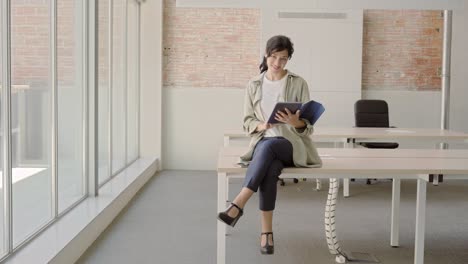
{"points": [[275, 44]]}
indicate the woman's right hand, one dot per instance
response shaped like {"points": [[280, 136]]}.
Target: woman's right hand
{"points": [[263, 126]]}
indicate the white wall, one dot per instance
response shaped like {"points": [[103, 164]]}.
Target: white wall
{"points": [[423, 109], [327, 54], [330, 4], [459, 79], [194, 119], [193, 125], [402, 110], [151, 79]]}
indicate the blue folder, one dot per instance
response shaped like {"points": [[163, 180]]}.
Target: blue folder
{"points": [[312, 111]]}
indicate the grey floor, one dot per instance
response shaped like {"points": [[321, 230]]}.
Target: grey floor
{"points": [[173, 220]]}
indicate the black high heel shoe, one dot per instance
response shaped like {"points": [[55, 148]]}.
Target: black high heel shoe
{"points": [[268, 249], [223, 216]]}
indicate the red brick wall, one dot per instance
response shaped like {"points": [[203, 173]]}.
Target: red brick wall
{"points": [[402, 50], [31, 42], [118, 44], [206, 47], [103, 43], [67, 59]]}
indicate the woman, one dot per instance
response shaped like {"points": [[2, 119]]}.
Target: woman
{"points": [[272, 147]]}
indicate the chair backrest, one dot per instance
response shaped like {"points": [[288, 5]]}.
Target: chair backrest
{"points": [[371, 113]]}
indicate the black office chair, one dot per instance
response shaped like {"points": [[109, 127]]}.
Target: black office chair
{"points": [[372, 113]]}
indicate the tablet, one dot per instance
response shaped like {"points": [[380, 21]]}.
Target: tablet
{"points": [[293, 107]]}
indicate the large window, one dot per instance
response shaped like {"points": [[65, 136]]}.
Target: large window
{"points": [[118, 85], [133, 84], [2, 134], [31, 117], [43, 54], [70, 91], [104, 83]]}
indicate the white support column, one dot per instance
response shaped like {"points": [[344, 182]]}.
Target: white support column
{"points": [[318, 183], [346, 187], [395, 224], [5, 112], [348, 144], [91, 140], [420, 221], [226, 144], [221, 228], [54, 106], [435, 181], [445, 78]]}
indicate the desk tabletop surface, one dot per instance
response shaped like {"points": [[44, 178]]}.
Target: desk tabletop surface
{"points": [[371, 132], [369, 161], [368, 153]]}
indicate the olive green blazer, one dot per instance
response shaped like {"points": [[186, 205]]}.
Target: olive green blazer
{"points": [[296, 90]]}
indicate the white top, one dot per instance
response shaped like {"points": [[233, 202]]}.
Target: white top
{"points": [[271, 92]]}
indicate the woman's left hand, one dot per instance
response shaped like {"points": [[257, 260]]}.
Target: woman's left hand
{"points": [[288, 117]]}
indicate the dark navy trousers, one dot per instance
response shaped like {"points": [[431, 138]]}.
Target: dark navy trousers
{"points": [[270, 156]]}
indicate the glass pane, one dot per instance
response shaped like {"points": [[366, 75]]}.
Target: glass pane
{"points": [[31, 117], [70, 101], [2, 132], [118, 85], [103, 90], [132, 82]]}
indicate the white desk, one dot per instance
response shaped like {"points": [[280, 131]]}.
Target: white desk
{"points": [[370, 133], [324, 153], [400, 163], [331, 153], [345, 134]]}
